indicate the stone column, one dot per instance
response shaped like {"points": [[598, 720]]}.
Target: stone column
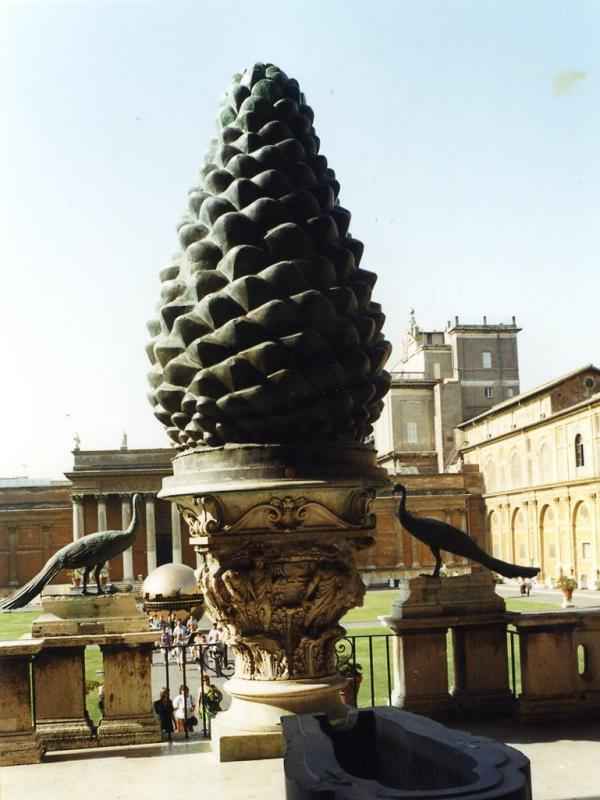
{"points": [[595, 503], [128, 554], [176, 534], [103, 522], [102, 517], [548, 665], [128, 716], [481, 664], [13, 576], [420, 667], [537, 543], [150, 532], [78, 521], [19, 741], [61, 717], [560, 561]]}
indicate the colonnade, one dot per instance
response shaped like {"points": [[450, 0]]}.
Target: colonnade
{"points": [[557, 530], [126, 511]]}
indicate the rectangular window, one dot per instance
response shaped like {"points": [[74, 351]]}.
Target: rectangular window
{"points": [[436, 371], [586, 550], [411, 432], [510, 392], [486, 358], [488, 392]]}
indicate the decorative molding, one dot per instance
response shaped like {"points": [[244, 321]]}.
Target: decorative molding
{"points": [[281, 514]]}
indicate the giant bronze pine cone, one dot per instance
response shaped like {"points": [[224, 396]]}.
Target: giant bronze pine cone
{"points": [[266, 330]]}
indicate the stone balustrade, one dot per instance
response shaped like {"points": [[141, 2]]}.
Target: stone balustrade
{"points": [[556, 669]]}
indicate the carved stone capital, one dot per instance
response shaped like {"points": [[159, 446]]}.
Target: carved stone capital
{"points": [[281, 605], [77, 498]]}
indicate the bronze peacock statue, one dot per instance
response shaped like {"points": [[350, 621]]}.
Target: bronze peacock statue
{"points": [[438, 535], [89, 553]]}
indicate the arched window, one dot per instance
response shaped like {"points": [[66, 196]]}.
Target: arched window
{"points": [[579, 457]]}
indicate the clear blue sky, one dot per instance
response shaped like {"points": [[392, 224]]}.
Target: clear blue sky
{"points": [[473, 180]]}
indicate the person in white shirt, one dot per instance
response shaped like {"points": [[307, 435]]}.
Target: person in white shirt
{"points": [[183, 708]]}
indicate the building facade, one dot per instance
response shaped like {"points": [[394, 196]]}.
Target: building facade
{"points": [[539, 454], [39, 517], [444, 378]]}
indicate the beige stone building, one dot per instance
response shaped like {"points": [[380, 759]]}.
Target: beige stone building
{"points": [[443, 378], [539, 453]]}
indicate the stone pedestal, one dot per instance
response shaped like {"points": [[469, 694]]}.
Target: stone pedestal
{"points": [[276, 529], [587, 636], [426, 609], [128, 716], [548, 665], [114, 623], [61, 717], [19, 741], [88, 615]]}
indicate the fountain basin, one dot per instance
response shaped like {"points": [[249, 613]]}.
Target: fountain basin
{"points": [[388, 753]]}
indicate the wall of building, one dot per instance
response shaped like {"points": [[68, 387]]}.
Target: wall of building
{"points": [[35, 521], [542, 507]]}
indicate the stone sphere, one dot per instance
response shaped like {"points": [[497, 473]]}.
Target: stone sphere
{"points": [[170, 581]]}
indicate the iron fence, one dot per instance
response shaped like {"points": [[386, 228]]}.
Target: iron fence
{"points": [[364, 659]]}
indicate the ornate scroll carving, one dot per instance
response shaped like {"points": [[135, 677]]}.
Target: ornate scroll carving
{"points": [[282, 514], [207, 519]]}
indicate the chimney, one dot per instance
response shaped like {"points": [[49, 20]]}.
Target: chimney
{"points": [[484, 320], [514, 321], [456, 320]]}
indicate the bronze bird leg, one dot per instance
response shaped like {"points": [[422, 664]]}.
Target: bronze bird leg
{"points": [[86, 575]]}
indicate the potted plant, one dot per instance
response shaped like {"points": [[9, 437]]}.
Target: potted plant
{"points": [[352, 671], [567, 585]]}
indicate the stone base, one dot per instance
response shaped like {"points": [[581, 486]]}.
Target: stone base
{"points": [[435, 706], [81, 615], [230, 745], [550, 708], [20, 748], [251, 727], [460, 595], [475, 704], [133, 730], [65, 734]]}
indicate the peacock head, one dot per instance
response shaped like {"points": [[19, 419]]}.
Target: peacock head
{"points": [[399, 489]]}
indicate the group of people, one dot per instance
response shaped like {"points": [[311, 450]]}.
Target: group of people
{"points": [[184, 641], [181, 713]]}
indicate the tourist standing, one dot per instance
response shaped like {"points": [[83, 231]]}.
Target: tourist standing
{"points": [[163, 708], [183, 708]]}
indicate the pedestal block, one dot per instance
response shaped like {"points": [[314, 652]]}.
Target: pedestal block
{"points": [[548, 665], [481, 666], [421, 669], [128, 716], [276, 528], [588, 636], [421, 617], [19, 741], [62, 720], [69, 624]]}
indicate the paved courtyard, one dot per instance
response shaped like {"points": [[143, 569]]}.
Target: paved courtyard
{"points": [[565, 766]]}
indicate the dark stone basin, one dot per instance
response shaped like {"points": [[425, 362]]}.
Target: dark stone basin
{"points": [[388, 753]]}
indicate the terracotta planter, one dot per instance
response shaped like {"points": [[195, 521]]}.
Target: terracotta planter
{"points": [[567, 597]]}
